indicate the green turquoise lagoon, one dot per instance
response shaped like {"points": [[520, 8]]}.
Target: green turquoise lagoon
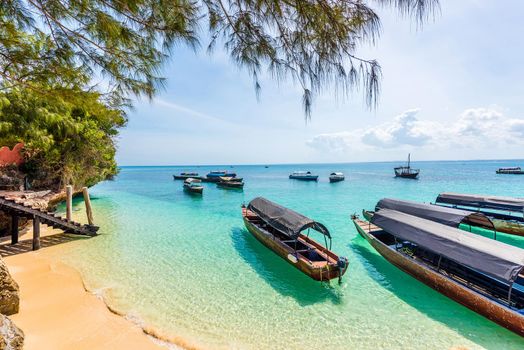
{"points": [[184, 266]]}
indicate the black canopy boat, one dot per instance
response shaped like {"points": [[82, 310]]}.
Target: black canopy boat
{"points": [[477, 272], [407, 172], [336, 177], [506, 213], [280, 229], [444, 215]]}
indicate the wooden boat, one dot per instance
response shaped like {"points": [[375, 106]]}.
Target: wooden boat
{"points": [[230, 182], [183, 176], [406, 171], [220, 173], [303, 175], [444, 215], [506, 213], [336, 177], [280, 229], [193, 185], [510, 171], [479, 273]]}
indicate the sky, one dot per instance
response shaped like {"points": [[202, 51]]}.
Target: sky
{"points": [[451, 90]]}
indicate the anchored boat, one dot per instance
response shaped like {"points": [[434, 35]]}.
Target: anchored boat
{"points": [[230, 182], [444, 215], [406, 171], [281, 230], [183, 176], [336, 177], [215, 175], [303, 175], [193, 185], [482, 274], [511, 171], [506, 213]]}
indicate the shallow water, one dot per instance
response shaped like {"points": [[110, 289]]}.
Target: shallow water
{"points": [[185, 266]]}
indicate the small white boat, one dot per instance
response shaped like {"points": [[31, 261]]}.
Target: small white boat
{"points": [[336, 177]]}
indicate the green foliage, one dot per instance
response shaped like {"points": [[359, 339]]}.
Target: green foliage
{"points": [[312, 42], [68, 136]]}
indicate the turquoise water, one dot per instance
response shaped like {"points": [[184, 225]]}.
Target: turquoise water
{"points": [[185, 266]]}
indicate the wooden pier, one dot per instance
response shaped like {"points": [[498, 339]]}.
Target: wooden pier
{"points": [[19, 209]]}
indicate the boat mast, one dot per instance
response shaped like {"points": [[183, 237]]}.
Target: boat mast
{"points": [[409, 159]]}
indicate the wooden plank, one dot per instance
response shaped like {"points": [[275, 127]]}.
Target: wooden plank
{"points": [[14, 229], [87, 201], [69, 202], [36, 233]]}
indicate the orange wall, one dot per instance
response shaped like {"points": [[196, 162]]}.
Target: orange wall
{"points": [[8, 157]]}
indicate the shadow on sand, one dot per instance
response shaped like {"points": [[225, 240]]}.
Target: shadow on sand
{"points": [[7, 249], [281, 276], [441, 309]]}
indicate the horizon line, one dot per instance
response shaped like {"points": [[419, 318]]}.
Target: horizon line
{"points": [[322, 163]]}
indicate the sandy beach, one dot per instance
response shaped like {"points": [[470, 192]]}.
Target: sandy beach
{"points": [[56, 312]]}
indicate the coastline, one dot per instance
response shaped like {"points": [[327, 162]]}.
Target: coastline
{"points": [[58, 312]]}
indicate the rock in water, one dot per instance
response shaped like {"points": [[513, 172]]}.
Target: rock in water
{"points": [[9, 293], [11, 337]]}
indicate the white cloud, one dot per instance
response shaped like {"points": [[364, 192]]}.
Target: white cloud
{"points": [[474, 129]]}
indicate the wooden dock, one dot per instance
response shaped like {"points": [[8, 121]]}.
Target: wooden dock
{"points": [[18, 209]]}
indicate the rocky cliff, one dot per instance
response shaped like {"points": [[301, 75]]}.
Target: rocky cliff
{"points": [[11, 337], [9, 294]]}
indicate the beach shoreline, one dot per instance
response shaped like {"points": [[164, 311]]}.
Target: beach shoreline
{"points": [[57, 311]]}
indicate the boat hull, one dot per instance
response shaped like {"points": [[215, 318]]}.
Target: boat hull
{"points": [[407, 176], [482, 305], [238, 186], [336, 179], [304, 178], [198, 190], [509, 227], [318, 274]]}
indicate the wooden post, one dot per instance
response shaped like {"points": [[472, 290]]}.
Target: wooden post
{"points": [[87, 201], [14, 229], [36, 233], [69, 202]]}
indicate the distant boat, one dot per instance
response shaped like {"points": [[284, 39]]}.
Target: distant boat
{"points": [[336, 177], [230, 182], [215, 175], [406, 171], [267, 166], [304, 176], [280, 229], [183, 176], [512, 171], [193, 185], [482, 274]]}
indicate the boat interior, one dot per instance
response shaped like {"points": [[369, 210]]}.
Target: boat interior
{"points": [[473, 279], [303, 245]]}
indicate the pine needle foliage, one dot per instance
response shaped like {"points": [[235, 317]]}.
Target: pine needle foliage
{"points": [[312, 42]]}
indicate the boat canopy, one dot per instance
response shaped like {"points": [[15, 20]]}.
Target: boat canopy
{"points": [[283, 219], [444, 215], [480, 201], [337, 174], [192, 180], [496, 259]]}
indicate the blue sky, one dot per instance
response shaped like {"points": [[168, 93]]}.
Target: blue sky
{"points": [[451, 90]]}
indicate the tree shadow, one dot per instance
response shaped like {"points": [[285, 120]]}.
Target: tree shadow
{"points": [[24, 246], [281, 276], [442, 309]]}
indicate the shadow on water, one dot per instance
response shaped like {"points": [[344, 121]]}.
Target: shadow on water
{"points": [[440, 308], [281, 276]]}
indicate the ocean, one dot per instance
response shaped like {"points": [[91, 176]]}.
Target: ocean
{"points": [[185, 267]]}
